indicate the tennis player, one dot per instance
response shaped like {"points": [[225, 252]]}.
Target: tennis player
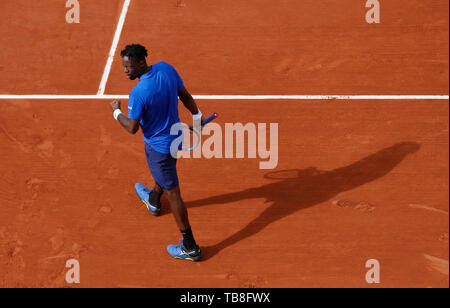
{"points": [[153, 106]]}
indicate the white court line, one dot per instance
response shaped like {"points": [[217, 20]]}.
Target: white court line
{"points": [[101, 96], [239, 97], [112, 52], [322, 97]]}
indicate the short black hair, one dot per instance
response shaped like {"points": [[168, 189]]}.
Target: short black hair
{"points": [[135, 51]]}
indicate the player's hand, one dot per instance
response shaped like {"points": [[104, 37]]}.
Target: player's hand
{"points": [[115, 105]]}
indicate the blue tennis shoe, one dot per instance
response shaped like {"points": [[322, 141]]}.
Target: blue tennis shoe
{"points": [[180, 252], [144, 194]]}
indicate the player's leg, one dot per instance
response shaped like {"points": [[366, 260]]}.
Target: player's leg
{"points": [[155, 195], [180, 214], [158, 189], [164, 171], [152, 197], [189, 250], [178, 207]]}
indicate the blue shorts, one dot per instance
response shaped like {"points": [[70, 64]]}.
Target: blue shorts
{"points": [[163, 168]]}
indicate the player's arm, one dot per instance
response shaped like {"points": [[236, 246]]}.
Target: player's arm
{"points": [[188, 101], [130, 125]]}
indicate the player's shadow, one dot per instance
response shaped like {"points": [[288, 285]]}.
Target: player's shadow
{"points": [[308, 187]]}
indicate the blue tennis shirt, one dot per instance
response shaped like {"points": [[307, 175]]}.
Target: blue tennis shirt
{"points": [[154, 102]]}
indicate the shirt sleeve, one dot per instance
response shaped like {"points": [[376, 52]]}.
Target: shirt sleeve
{"points": [[135, 107]]}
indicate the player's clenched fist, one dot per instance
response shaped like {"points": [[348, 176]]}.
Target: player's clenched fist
{"points": [[115, 105]]}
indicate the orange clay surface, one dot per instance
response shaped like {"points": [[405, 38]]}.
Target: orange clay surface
{"points": [[356, 180]]}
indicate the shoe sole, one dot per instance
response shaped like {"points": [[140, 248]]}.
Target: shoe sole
{"points": [[193, 259], [196, 259], [154, 213]]}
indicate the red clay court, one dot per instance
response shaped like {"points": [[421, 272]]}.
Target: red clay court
{"points": [[357, 179]]}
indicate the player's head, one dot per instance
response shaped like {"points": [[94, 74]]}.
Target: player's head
{"points": [[133, 60]]}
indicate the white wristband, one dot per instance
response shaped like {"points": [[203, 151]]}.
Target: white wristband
{"points": [[116, 114], [197, 116]]}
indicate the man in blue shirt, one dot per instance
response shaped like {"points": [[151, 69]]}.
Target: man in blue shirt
{"points": [[153, 106]]}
